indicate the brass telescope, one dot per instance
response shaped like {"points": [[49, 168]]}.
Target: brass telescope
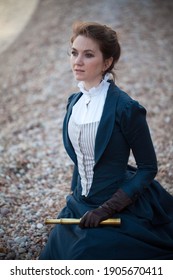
{"points": [[69, 221]]}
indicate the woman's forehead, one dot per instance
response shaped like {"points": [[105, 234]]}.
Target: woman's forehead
{"points": [[85, 43]]}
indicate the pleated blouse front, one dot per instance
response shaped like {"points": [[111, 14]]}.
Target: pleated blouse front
{"points": [[82, 129]]}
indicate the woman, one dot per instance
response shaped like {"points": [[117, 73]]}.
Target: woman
{"points": [[102, 125]]}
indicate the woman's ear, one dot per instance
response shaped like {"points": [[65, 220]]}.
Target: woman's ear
{"points": [[107, 63]]}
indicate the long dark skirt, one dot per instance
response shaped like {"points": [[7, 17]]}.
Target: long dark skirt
{"points": [[146, 232]]}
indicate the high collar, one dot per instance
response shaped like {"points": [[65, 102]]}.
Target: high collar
{"points": [[94, 90]]}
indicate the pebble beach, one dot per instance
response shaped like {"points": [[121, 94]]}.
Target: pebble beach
{"points": [[35, 83]]}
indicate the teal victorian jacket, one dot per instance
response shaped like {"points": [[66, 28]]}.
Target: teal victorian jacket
{"points": [[122, 128]]}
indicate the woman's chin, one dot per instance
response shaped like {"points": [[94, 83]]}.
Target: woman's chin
{"points": [[77, 78]]}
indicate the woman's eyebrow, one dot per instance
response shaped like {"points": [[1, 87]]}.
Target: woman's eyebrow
{"points": [[87, 50]]}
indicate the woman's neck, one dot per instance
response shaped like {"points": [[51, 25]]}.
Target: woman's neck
{"points": [[88, 86]]}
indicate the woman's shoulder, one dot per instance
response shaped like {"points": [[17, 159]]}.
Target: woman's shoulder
{"points": [[124, 98], [126, 104]]}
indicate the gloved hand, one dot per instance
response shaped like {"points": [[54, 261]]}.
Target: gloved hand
{"points": [[94, 217], [115, 204]]}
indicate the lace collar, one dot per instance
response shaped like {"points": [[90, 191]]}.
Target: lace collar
{"points": [[94, 90]]}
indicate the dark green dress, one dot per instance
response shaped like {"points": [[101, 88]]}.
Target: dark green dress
{"points": [[146, 231]]}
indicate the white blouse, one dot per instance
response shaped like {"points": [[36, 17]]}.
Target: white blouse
{"points": [[82, 129]]}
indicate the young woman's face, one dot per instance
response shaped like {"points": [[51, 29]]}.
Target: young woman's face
{"points": [[87, 61]]}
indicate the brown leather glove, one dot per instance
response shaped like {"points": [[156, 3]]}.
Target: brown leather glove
{"points": [[115, 204]]}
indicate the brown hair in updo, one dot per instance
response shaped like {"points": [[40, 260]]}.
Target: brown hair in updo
{"points": [[105, 36]]}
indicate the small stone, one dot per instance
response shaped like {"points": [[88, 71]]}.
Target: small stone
{"points": [[19, 239], [32, 227], [5, 211], [22, 171], [11, 256], [22, 250], [3, 250], [22, 245], [167, 119], [39, 225], [1, 232]]}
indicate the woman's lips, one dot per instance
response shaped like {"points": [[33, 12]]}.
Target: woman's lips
{"points": [[79, 70]]}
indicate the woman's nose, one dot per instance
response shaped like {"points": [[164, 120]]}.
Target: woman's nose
{"points": [[79, 60]]}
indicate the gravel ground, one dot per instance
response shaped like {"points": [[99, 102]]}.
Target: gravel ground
{"points": [[35, 82]]}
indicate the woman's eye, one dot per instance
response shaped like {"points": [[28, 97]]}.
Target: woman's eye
{"points": [[88, 55], [73, 53]]}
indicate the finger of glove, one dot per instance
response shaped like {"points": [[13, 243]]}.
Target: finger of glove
{"points": [[88, 220], [91, 221], [96, 223], [83, 220]]}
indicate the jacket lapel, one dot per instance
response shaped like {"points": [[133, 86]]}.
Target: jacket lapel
{"points": [[107, 121], [67, 143]]}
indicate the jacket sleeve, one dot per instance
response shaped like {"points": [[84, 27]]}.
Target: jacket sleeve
{"points": [[136, 132]]}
